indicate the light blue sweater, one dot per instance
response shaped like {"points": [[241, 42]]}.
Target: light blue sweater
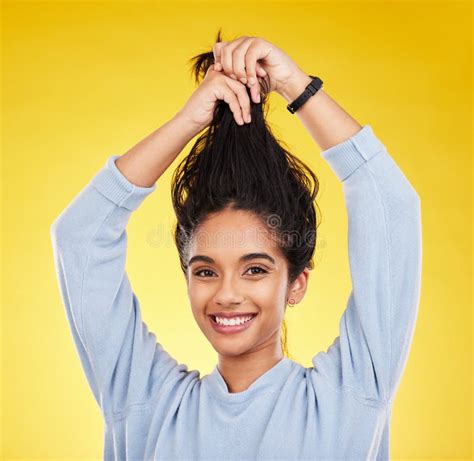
{"points": [[340, 408]]}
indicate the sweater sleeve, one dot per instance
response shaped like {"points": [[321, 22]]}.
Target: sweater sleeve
{"points": [[368, 357], [123, 363]]}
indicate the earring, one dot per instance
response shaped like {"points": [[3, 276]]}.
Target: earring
{"points": [[291, 302]]}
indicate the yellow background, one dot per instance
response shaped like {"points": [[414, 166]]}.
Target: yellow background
{"points": [[82, 81]]}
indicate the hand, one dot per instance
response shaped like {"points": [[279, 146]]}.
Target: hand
{"points": [[248, 58], [199, 109]]}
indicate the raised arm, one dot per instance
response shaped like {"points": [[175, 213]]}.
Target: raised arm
{"points": [[123, 363], [368, 357]]}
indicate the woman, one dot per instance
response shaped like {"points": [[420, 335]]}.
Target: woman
{"points": [[239, 182]]}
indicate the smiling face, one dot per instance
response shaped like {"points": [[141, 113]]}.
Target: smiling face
{"points": [[225, 275]]}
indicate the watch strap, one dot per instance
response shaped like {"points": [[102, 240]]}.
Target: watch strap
{"points": [[313, 87]]}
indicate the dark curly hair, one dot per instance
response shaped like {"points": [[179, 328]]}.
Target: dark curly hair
{"points": [[246, 168]]}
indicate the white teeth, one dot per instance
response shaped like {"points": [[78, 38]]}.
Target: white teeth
{"points": [[233, 321]]}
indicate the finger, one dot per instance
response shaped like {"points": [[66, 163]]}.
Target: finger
{"points": [[240, 92], [255, 89], [227, 94], [251, 58], [216, 49], [227, 59], [238, 59], [261, 72], [255, 93]]}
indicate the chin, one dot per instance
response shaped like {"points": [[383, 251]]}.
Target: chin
{"points": [[230, 347]]}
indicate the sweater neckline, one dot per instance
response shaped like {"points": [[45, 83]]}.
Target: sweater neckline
{"points": [[270, 381]]}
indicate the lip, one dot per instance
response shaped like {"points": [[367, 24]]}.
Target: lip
{"points": [[231, 328]]}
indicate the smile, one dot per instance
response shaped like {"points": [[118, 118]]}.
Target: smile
{"points": [[229, 328]]}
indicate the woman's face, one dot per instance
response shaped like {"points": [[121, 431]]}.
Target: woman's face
{"points": [[223, 278]]}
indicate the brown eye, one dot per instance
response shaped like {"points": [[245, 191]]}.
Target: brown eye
{"points": [[202, 270], [261, 269]]}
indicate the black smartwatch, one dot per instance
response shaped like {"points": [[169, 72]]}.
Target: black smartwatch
{"points": [[309, 91]]}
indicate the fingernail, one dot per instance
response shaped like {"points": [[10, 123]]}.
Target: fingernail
{"points": [[248, 118], [251, 80], [243, 80]]}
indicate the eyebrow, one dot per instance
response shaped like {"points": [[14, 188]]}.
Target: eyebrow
{"points": [[246, 257]]}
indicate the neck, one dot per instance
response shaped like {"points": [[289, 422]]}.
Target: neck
{"points": [[240, 371]]}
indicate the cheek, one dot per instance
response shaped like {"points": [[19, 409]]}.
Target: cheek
{"points": [[270, 298], [270, 288], [199, 297], [266, 299]]}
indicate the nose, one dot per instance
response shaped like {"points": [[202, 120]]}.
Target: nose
{"points": [[228, 293]]}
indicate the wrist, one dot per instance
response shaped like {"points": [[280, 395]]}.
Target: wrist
{"points": [[295, 86], [185, 126]]}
